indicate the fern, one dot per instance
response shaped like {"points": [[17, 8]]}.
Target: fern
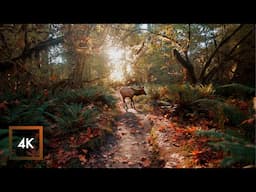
{"points": [[234, 115], [71, 116], [25, 114], [238, 149], [236, 90], [187, 93], [4, 146], [109, 100], [86, 95]]}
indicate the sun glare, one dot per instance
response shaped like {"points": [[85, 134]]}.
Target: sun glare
{"points": [[117, 61], [115, 54], [117, 75]]}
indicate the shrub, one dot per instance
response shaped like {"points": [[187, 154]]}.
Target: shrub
{"points": [[187, 93], [219, 108], [72, 117], [238, 150], [235, 90]]}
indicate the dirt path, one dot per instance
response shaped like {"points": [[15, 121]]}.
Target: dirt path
{"points": [[130, 146]]}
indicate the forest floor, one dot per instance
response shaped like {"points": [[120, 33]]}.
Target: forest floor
{"points": [[141, 138], [135, 143]]}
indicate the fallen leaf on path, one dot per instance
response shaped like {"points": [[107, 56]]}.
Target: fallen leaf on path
{"points": [[146, 163], [124, 161], [130, 163], [133, 131], [82, 159], [85, 151], [196, 152], [192, 129]]}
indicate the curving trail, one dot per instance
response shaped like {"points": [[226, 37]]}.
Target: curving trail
{"points": [[130, 146]]}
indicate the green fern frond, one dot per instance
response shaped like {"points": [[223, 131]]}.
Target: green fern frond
{"points": [[237, 148]]}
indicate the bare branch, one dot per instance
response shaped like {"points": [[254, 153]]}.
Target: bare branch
{"points": [[208, 62]]}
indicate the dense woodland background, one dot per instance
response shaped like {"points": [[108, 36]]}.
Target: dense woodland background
{"points": [[199, 78]]}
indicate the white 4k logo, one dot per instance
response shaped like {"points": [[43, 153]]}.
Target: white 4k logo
{"points": [[26, 143]]}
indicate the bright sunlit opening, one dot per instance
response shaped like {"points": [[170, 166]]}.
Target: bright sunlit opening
{"points": [[115, 54], [117, 75], [118, 62]]}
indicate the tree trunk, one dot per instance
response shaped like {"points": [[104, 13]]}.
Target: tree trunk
{"points": [[208, 62], [189, 68], [245, 71], [220, 68]]}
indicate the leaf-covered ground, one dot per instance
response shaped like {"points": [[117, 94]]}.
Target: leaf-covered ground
{"points": [[135, 139], [144, 140]]}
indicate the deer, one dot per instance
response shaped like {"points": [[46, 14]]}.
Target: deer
{"points": [[130, 93]]}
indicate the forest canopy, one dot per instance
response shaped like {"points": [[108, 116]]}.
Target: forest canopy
{"points": [[196, 53]]}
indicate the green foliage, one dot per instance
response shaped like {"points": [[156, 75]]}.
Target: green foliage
{"points": [[233, 114], [73, 116], [25, 113], [153, 91], [4, 146], [249, 129], [187, 93], [235, 90], [238, 150], [109, 100], [86, 96]]}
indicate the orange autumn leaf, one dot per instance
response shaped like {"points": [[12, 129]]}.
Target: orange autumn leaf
{"points": [[161, 128], [196, 152], [171, 125], [82, 159], [178, 130], [203, 139], [146, 163], [192, 129], [191, 141]]}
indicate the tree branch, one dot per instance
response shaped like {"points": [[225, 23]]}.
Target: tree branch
{"points": [[217, 68], [208, 62], [151, 32], [187, 65], [5, 65]]}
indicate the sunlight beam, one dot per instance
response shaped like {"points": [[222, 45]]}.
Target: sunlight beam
{"points": [[118, 62]]}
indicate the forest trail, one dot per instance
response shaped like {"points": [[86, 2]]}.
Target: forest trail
{"points": [[130, 146]]}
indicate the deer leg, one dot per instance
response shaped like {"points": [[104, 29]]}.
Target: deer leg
{"points": [[132, 103], [125, 105]]}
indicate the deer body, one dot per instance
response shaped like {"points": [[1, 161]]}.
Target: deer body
{"points": [[130, 93]]}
